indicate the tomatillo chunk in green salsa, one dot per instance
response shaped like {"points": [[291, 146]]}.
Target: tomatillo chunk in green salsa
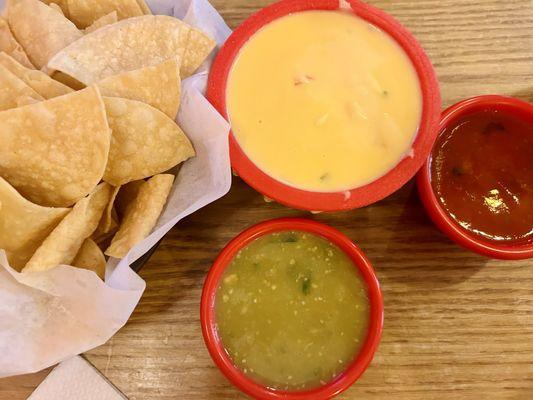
{"points": [[292, 310]]}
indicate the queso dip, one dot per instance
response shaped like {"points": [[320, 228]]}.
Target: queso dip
{"points": [[323, 101], [292, 311]]}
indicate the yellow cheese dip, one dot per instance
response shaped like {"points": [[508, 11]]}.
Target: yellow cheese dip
{"points": [[323, 101], [292, 311]]}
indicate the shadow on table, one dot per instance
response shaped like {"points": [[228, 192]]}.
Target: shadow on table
{"points": [[424, 255]]}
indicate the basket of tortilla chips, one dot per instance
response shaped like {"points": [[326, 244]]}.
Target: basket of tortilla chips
{"points": [[107, 142]]}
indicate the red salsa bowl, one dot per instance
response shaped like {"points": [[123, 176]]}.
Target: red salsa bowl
{"points": [[451, 121], [209, 324], [347, 199]]}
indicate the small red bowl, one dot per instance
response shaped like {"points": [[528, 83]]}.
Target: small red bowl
{"points": [[214, 343], [506, 251], [348, 199]]}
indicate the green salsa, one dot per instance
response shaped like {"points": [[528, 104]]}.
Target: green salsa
{"points": [[292, 310]]}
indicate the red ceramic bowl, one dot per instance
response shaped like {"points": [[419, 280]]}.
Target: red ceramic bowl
{"points": [[349, 199], [506, 251], [216, 348]]}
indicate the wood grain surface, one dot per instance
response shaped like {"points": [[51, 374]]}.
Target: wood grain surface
{"points": [[457, 326]]}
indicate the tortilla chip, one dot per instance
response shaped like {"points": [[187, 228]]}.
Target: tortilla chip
{"points": [[142, 215], [9, 44], [26, 100], [62, 245], [126, 195], [144, 7], [199, 46], [24, 225], [41, 30], [37, 80], [99, 236], [106, 222], [60, 3], [90, 257], [107, 19], [12, 88], [57, 8], [55, 152], [131, 44], [145, 141], [67, 80], [158, 86], [85, 12]]}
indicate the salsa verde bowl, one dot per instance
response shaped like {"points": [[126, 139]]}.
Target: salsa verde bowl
{"points": [[513, 250], [364, 194], [213, 282]]}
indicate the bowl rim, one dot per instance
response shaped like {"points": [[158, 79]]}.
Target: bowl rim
{"points": [[208, 319], [347, 199], [507, 251]]}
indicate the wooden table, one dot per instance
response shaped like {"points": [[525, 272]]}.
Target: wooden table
{"points": [[457, 326]]}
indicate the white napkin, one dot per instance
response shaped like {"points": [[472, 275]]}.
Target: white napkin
{"points": [[76, 379]]}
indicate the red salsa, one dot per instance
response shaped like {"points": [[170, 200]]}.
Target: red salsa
{"points": [[482, 174]]}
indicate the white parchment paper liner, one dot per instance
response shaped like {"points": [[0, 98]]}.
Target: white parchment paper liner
{"points": [[47, 317]]}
